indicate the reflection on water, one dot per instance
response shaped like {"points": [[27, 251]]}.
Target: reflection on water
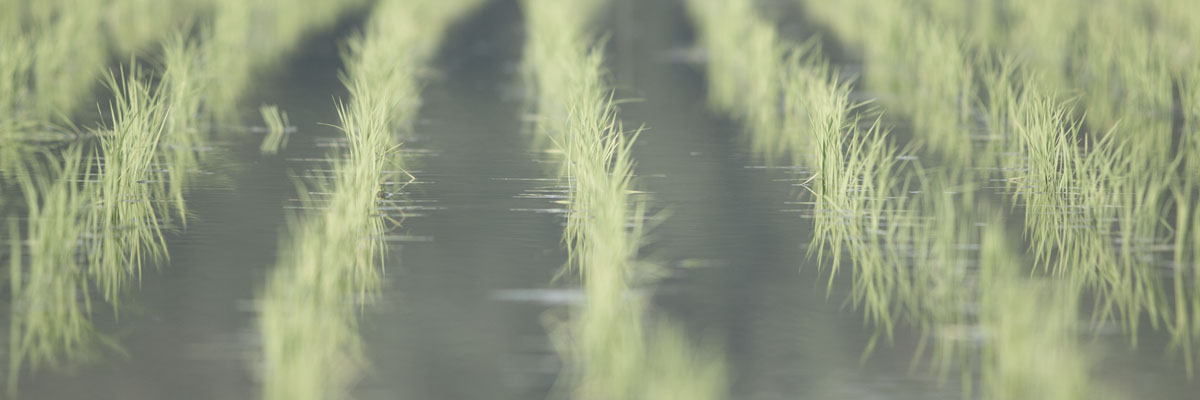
{"points": [[51, 307], [309, 309], [1031, 328]]}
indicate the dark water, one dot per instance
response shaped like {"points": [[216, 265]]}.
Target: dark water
{"points": [[467, 288]]}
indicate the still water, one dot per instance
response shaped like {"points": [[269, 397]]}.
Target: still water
{"points": [[468, 296]]}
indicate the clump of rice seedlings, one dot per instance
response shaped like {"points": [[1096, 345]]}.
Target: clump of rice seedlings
{"points": [[125, 221], [277, 129], [333, 259], [50, 321]]}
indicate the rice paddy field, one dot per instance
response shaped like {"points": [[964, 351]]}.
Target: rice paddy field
{"points": [[600, 199]]}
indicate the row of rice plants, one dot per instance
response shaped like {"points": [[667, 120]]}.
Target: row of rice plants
{"points": [[1094, 213], [818, 126], [1097, 213], [908, 257], [614, 347], [331, 262]]}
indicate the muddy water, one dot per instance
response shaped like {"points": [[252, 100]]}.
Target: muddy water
{"points": [[468, 278]]}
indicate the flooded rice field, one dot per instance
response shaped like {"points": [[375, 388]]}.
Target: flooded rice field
{"points": [[599, 199]]}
